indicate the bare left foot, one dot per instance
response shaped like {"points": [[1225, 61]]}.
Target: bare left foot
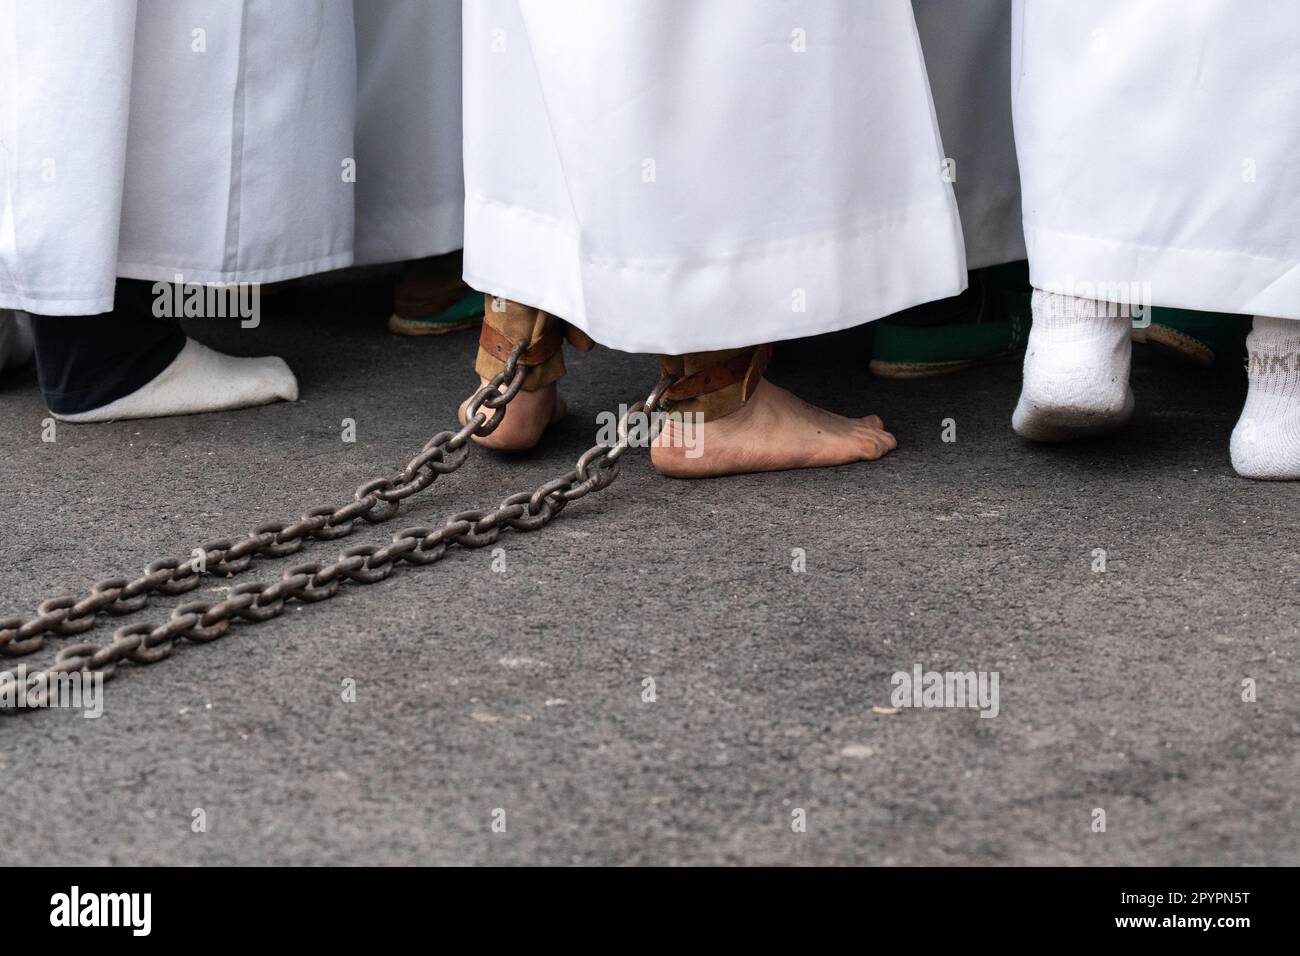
{"points": [[773, 431]]}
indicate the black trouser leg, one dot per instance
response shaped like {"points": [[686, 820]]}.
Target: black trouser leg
{"points": [[87, 361]]}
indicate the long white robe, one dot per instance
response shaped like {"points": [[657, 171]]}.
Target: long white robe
{"points": [[967, 47], [410, 190], [1159, 145], [215, 140], [678, 176]]}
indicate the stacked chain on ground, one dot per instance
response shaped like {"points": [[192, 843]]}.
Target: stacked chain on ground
{"points": [[374, 501], [202, 621]]}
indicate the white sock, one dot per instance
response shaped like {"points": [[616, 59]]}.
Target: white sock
{"points": [[1077, 364], [1266, 442], [200, 379], [15, 339]]}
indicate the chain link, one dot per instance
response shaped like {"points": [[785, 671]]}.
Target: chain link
{"points": [[373, 502], [253, 602]]}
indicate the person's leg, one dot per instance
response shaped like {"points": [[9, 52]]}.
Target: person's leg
{"points": [[1077, 365], [698, 247], [431, 299], [726, 419], [538, 403], [1266, 440], [129, 364], [15, 339], [747, 423]]}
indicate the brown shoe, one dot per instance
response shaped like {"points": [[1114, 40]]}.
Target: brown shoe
{"points": [[431, 299]]}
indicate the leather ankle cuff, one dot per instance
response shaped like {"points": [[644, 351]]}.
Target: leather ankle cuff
{"points": [[719, 388], [504, 324], [539, 351]]}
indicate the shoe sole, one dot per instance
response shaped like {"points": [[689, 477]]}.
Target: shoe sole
{"points": [[913, 370], [1068, 424], [1181, 344], [401, 326]]}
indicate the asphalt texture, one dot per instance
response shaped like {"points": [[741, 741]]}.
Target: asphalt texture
{"points": [[523, 690]]}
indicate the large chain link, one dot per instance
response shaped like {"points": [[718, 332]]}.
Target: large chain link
{"points": [[374, 501]]}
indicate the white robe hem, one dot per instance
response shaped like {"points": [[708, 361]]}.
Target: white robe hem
{"points": [[60, 303], [1204, 280], [393, 233], [673, 306]]}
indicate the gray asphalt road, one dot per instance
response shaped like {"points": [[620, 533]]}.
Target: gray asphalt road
{"points": [[523, 690]]}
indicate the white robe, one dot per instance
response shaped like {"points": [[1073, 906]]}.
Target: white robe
{"points": [[1159, 146], [678, 176], [410, 199], [215, 140], [967, 47]]}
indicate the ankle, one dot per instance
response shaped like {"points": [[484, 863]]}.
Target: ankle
{"points": [[88, 362], [1058, 312]]}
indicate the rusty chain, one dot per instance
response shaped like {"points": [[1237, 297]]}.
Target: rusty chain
{"points": [[374, 501]]}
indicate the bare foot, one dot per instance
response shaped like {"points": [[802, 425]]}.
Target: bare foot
{"points": [[773, 431], [527, 416]]}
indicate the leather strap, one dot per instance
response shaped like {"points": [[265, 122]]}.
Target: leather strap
{"points": [[746, 367], [496, 344]]}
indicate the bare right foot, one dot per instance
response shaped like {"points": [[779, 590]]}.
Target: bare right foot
{"points": [[773, 431], [527, 416]]}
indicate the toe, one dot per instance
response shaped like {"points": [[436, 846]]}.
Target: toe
{"points": [[286, 383], [870, 446], [876, 443], [263, 379]]}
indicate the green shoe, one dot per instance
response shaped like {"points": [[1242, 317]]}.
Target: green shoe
{"points": [[466, 313], [1197, 337], [989, 322]]}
